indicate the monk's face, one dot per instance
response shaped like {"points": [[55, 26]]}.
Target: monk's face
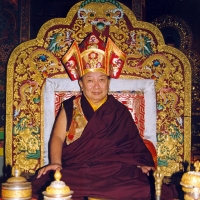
{"points": [[95, 86]]}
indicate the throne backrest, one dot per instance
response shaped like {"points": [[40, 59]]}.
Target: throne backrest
{"points": [[138, 95], [34, 63]]}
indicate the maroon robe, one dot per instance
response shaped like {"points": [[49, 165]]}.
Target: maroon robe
{"points": [[103, 162]]}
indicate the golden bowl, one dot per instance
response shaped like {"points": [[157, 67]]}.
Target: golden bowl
{"points": [[57, 189], [16, 187], [190, 182], [191, 179], [16, 190]]}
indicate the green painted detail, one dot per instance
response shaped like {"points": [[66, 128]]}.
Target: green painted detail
{"points": [[162, 163], [1, 135], [35, 155], [100, 26]]}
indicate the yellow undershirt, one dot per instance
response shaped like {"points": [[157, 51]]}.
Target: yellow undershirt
{"points": [[95, 107]]}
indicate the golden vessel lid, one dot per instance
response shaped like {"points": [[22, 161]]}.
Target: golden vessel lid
{"points": [[57, 188], [191, 179], [16, 181]]}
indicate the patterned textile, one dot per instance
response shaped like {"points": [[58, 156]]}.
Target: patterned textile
{"points": [[133, 100]]}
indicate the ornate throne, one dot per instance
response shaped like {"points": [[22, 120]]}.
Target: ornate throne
{"points": [[155, 84]]}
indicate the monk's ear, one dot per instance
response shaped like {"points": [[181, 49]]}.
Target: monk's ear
{"points": [[80, 83]]}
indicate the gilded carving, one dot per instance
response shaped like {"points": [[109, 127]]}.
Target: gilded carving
{"points": [[16, 193], [158, 175]]}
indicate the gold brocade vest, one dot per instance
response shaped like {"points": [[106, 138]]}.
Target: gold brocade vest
{"points": [[78, 122]]}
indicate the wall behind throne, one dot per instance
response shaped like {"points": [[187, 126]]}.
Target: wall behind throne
{"points": [[20, 21]]}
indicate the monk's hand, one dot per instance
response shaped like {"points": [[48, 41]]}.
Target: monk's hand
{"points": [[44, 170], [146, 169]]}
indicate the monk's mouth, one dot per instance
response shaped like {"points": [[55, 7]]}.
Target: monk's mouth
{"points": [[96, 93]]}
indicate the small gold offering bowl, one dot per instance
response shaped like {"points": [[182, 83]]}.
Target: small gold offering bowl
{"points": [[57, 189], [190, 182], [16, 187]]}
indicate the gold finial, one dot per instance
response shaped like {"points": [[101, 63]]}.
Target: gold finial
{"points": [[158, 175], [197, 166], [57, 175], [16, 172]]}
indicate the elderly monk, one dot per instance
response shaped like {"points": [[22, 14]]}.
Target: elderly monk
{"points": [[95, 142]]}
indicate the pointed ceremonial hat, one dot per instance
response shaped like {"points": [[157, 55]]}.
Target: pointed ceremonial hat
{"points": [[93, 55]]}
